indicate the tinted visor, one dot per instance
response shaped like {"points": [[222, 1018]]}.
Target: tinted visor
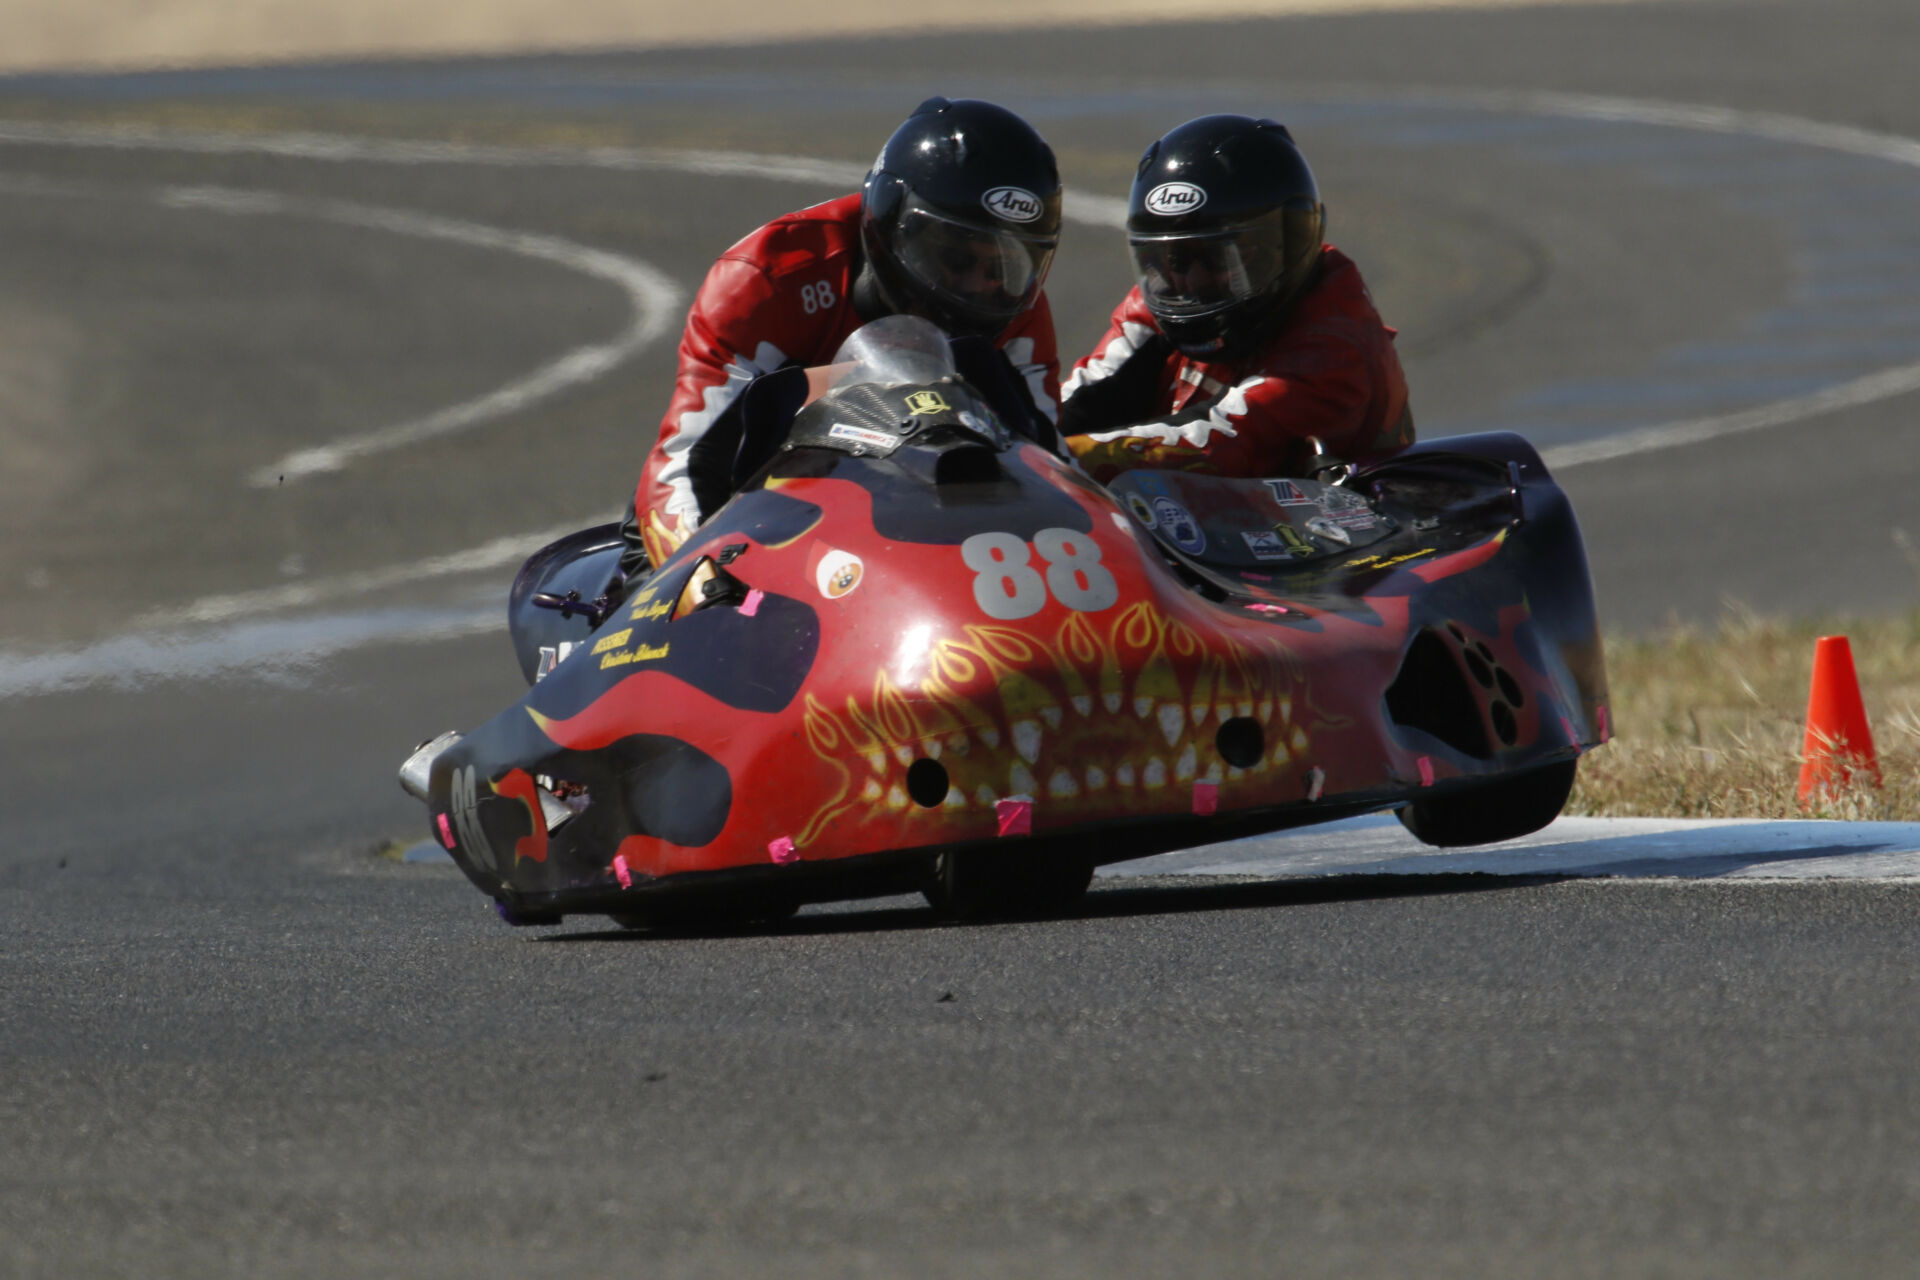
{"points": [[984, 271], [1196, 274]]}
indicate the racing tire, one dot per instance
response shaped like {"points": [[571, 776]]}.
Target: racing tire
{"points": [[1501, 810], [990, 884], [709, 915]]}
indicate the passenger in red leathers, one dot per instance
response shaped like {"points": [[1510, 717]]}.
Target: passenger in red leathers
{"points": [[957, 222], [1249, 346]]}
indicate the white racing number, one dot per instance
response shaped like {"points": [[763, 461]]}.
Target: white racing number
{"points": [[817, 297], [1007, 586]]}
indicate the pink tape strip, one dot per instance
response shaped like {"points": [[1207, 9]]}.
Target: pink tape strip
{"points": [[621, 872], [1016, 817], [1267, 608], [1606, 731], [1316, 782], [1426, 771], [1567, 725], [782, 851], [446, 832], [1206, 798], [751, 605]]}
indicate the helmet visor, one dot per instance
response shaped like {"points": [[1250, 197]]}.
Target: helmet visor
{"points": [[1190, 275], [981, 271]]}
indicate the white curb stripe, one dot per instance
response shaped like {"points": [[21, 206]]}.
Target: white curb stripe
{"points": [[1723, 849]]}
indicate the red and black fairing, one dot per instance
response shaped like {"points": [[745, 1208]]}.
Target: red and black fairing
{"points": [[862, 660]]}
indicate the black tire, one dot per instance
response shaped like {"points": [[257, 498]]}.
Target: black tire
{"points": [[987, 884], [709, 914], [1499, 810]]}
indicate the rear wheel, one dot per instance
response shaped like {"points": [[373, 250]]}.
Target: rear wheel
{"points": [[1501, 810], [982, 884]]}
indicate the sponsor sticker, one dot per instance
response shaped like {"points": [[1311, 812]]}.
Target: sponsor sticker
{"points": [[639, 653], [1180, 526], [924, 404], [1015, 204], [1267, 546], [1171, 199], [1334, 498], [614, 641], [649, 610], [1325, 528], [1287, 493], [839, 573], [863, 435], [1142, 510]]}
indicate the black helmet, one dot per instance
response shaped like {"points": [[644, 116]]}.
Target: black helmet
{"points": [[961, 214], [1225, 223]]}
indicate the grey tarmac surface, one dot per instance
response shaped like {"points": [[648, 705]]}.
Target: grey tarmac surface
{"points": [[237, 1038]]}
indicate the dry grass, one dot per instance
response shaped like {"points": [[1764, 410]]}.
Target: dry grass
{"points": [[1710, 724]]}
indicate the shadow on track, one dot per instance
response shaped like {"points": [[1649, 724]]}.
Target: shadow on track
{"points": [[1187, 896]]}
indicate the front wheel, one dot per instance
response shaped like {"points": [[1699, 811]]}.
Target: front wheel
{"points": [[981, 884], [1501, 810]]}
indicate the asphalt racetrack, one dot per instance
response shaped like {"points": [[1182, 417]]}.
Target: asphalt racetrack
{"points": [[295, 365]]}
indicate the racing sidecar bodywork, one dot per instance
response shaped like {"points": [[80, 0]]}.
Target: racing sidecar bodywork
{"points": [[883, 653]]}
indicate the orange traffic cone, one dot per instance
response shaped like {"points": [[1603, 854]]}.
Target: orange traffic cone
{"points": [[1838, 739]]}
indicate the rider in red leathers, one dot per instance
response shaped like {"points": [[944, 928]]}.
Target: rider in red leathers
{"points": [[1249, 347], [957, 222]]}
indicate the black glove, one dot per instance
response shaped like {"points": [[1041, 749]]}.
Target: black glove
{"points": [[1122, 398]]}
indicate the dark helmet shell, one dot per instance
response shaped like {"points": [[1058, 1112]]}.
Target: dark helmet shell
{"points": [[1238, 188], [965, 171]]}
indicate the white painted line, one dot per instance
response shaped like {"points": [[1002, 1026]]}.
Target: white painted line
{"points": [[654, 300], [1102, 211], [1884, 385], [1731, 849], [499, 553], [275, 651], [1096, 210], [1107, 211]]}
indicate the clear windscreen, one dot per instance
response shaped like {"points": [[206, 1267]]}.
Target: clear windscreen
{"points": [[1199, 273], [984, 270], [893, 351]]}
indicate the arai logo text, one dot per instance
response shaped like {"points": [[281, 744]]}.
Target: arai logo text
{"points": [[1015, 204], [1171, 199]]}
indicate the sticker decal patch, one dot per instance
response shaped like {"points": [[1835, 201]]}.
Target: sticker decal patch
{"points": [[1180, 526], [1142, 510], [1287, 493], [924, 404], [863, 435], [838, 573], [1267, 546]]}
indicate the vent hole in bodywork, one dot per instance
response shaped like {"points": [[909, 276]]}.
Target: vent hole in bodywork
{"points": [[1431, 694], [1479, 670], [1504, 724], [1241, 742], [927, 783], [968, 464]]}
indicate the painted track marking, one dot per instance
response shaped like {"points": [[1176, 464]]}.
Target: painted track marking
{"points": [[1094, 210], [653, 298], [1110, 212]]}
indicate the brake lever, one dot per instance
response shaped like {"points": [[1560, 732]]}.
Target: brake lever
{"points": [[595, 611]]}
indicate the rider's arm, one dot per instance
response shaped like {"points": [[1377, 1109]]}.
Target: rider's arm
{"points": [[732, 336], [1030, 348], [1322, 386]]}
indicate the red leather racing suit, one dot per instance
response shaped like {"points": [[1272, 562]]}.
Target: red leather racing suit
{"points": [[782, 296], [1329, 371]]}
